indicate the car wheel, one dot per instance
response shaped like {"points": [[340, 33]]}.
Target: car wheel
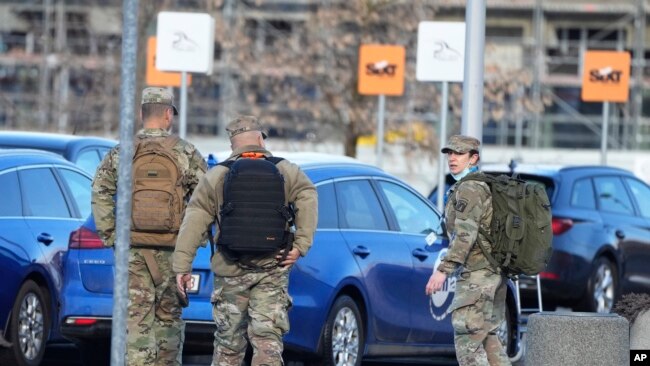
{"points": [[29, 327], [505, 332], [344, 338], [602, 287]]}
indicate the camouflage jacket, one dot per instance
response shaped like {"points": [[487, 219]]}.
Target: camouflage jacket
{"points": [[104, 186], [208, 198], [469, 206]]}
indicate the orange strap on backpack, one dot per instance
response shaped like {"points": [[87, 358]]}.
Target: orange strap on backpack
{"points": [[252, 155]]}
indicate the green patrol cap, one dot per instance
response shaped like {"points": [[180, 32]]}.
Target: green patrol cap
{"points": [[243, 124], [461, 144], [154, 95]]}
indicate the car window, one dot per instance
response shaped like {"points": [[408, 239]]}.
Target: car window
{"points": [[359, 206], [88, 160], [412, 214], [583, 194], [612, 196], [327, 216], [80, 188], [641, 193], [41, 194], [10, 192]]}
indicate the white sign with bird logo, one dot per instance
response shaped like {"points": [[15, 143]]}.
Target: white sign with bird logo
{"points": [[440, 54]]}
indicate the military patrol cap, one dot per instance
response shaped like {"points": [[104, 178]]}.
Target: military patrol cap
{"points": [[155, 95], [461, 144], [243, 124]]}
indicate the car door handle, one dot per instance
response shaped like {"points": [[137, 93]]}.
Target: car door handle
{"points": [[620, 234], [45, 238], [420, 254], [361, 251]]}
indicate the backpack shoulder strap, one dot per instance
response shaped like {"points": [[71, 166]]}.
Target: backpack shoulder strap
{"points": [[274, 159], [488, 179], [227, 163], [170, 141]]}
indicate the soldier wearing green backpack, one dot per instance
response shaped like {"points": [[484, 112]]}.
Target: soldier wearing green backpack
{"points": [[478, 307]]}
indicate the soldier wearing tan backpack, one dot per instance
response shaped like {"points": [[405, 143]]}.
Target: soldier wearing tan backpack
{"points": [[166, 169]]}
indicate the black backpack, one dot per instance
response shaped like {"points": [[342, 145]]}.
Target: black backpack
{"points": [[521, 233], [254, 217]]}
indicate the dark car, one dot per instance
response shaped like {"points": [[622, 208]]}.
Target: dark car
{"points": [[44, 199], [358, 293], [601, 234], [85, 151]]}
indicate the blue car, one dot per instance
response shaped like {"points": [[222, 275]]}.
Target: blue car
{"points": [[85, 151], [601, 235], [359, 293], [44, 199]]}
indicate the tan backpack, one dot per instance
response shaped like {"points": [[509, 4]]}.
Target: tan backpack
{"points": [[158, 195]]}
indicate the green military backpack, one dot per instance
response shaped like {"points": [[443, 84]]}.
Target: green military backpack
{"points": [[520, 232]]}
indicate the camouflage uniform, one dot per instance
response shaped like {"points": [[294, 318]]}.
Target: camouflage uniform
{"points": [[155, 330], [247, 303], [478, 308]]}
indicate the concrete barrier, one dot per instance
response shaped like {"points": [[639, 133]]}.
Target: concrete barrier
{"points": [[640, 331], [559, 339]]}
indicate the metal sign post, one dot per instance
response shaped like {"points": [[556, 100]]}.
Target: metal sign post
{"points": [[443, 142], [183, 112], [380, 128], [472, 124], [124, 179], [440, 58], [604, 134]]}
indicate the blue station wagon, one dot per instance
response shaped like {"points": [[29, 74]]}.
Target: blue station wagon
{"points": [[44, 199], [359, 293]]}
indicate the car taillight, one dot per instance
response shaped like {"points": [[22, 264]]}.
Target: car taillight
{"points": [[561, 225], [549, 276], [85, 239], [81, 321]]}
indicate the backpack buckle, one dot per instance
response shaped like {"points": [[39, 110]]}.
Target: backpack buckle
{"points": [[516, 222]]}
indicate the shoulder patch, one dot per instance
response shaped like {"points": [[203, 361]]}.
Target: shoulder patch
{"points": [[461, 205]]}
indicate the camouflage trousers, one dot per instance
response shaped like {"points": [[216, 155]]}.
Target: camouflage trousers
{"points": [[155, 330], [479, 310], [253, 305]]}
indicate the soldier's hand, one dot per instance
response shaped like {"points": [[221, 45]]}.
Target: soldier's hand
{"points": [[292, 257], [183, 281], [435, 282]]}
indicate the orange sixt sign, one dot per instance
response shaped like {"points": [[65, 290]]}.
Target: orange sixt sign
{"points": [[155, 77], [381, 70], [606, 76]]}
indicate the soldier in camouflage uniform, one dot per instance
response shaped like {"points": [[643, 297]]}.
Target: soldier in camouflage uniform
{"points": [[478, 308], [246, 302], [155, 330]]}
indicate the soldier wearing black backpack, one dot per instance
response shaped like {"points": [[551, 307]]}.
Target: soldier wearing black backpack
{"points": [[265, 212], [478, 308]]}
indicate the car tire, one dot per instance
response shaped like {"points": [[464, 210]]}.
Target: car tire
{"points": [[29, 327], [344, 337], [95, 352], [602, 288]]}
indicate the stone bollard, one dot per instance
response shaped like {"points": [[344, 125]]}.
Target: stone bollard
{"points": [[640, 331], [580, 339]]}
